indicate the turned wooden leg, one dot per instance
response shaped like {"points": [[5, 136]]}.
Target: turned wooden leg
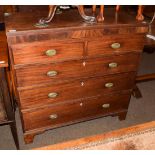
{"points": [[28, 138], [84, 16], [94, 10], [100, 17], [136, 92], [116, 13], [122, 116], [140, 16], [51, 13], [117, 8]]}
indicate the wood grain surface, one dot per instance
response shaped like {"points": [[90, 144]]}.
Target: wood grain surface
{"points": [[3, 50], [72, 111], [73, 90], [38, 73], [83, 54]]}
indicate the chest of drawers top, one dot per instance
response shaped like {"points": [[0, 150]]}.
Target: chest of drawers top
{"points": [[69, 38], [69, 25]]}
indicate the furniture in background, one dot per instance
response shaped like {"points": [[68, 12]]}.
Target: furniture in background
{"points": [[6, 10], [138, 137], [72, 71], [7, 110], [149, 48], [87, 18]]}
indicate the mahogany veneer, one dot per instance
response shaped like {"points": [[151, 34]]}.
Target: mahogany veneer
{"points": [[73, 71], [26, 75], [77, 110], [72, 90]]}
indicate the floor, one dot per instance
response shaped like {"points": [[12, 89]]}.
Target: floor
{"points": [[140, 111]]}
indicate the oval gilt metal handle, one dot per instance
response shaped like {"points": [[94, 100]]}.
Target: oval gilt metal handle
{"points": [[109, 85], [115, 45], [51, 52], [52, 73], [53, 116], [52, 95], [105, 105], [113, 65]]}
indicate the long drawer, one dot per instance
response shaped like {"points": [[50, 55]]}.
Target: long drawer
{"points": [[114, 44], [58, 72], [77, 89], [58, 115], [48, 51]]}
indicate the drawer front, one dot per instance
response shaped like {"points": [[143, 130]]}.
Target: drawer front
{"points": [[115, 45], [55, 73], [58, 115], [75, 90], [50, 51]]}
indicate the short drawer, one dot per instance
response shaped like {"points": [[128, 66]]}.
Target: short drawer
{"points": [[115, 45], [49, 51], [55, 73], [75, 89], [68, 113]]}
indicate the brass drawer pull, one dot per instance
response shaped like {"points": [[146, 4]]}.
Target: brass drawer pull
{"points": [[53, 116], [2, 62], [115, 45], [113, 65], [52, 95], [52, 73], [105, 105], [109, 85], [51, 52]]}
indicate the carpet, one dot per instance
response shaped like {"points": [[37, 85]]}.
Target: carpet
{"points": [[139, 137]]}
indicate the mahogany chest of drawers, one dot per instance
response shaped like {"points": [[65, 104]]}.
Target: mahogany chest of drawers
{"points": [[72, 71]]}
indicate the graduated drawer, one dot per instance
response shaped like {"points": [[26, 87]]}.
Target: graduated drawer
{"points": [[67, 113], [114, 44], [75, 89], [54, 73], [48, 51]]}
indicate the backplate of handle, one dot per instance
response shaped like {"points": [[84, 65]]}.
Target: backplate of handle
{"points": [[53, 116], [53, 95], [52, 73], [109, 85], [51, 52], [113, 65], [115, 45], [105, 105]]}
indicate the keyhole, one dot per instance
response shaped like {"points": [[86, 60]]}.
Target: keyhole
{"points": [[82, 84], [81, 104], [84, 63]]}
